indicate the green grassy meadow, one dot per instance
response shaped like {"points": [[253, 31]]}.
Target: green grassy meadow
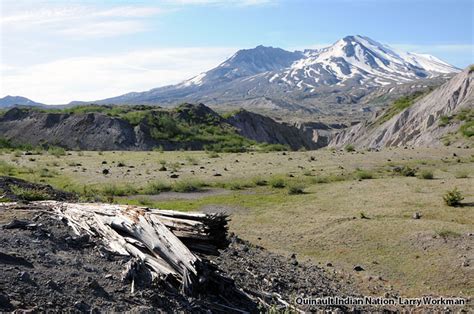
{"points": [[327, 206]]}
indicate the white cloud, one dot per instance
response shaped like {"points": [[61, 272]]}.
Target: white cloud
{"points": [[92, 78], [80, 20], [103, 29]]}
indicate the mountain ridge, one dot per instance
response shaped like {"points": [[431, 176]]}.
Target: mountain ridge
{"points": [[11, 101], [309, 80]]}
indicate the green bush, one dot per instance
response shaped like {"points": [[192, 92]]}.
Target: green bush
{"points": [[295, 189], [364, 175], [273, 147], [234, 186], [187, 186], [320, 180], [467, 129], [444, 120], [260, 182], [156, 188], [405, 171], [29, 194], [5, 143], [56, 151], [453, 197], [349, 148], [277, 183], [112, 190], [426, 174]]}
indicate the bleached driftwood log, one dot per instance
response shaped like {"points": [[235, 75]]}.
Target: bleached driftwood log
{"points": [[200, 232], [157, 238]]}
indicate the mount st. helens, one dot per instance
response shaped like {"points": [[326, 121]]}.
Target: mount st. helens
{"points": [[314, 80]]}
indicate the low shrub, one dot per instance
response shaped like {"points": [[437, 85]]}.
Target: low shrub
{"points": [[405, 171], [277, 183], [349, 148], [187, 186], [453, 197], [426, 174], [56, 151], [320, 180], [29, 194], [234, 186], [444, 121], [112, 190], [260, 182], [295, 189], [467, 129], [364, 175], [156, 188]]}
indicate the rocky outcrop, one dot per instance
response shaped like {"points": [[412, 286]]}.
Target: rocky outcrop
{"points": [[418, 125], [98, 131], [91, 131], [266, 130], [318, 132]]}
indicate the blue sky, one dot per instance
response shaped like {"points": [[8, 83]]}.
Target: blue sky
{"points": [[57, 51]]}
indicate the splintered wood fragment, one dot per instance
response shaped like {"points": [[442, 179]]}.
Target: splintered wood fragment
{"points": [[133, 231], [164, 241]]}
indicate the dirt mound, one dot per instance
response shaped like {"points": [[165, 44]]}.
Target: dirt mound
{"points": [[13, 189]]}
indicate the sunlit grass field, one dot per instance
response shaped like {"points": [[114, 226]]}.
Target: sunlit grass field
{"points": [[327, 206]]}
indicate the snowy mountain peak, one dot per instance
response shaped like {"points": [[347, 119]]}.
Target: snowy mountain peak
{"points": [[247, 62], [361, 60], [354, 59], [352, 66]]}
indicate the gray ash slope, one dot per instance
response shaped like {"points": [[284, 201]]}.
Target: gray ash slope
{"points": [[315, 81], [419, 124], [98, 131]]}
